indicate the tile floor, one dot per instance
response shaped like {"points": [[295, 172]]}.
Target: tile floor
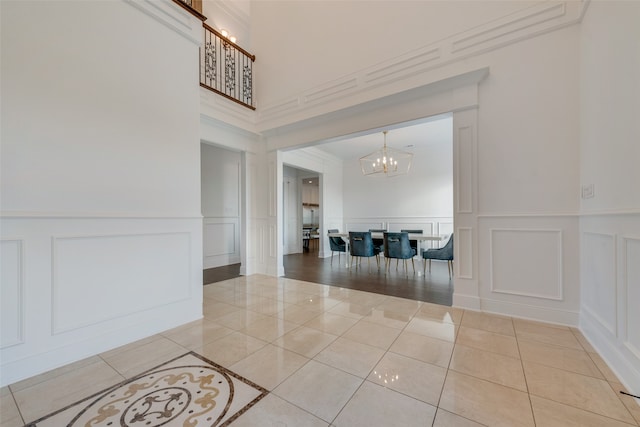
{"points": [[338, 357]]}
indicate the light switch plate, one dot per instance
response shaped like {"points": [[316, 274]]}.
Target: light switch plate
{"points": [[587, 191]]}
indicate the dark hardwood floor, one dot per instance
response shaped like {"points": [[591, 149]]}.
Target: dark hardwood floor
{"points": [[218, 274], [434, 287]]}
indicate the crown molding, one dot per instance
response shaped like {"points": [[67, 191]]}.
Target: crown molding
{"points": [[411, 70]]}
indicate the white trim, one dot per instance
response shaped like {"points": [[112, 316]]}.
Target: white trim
{"points": [[559, 295], [172, 16], [92, 215], [20, 291], [55, 330], [531, 312]]}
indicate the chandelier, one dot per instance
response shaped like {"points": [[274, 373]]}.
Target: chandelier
{"points": [[386, 161]]}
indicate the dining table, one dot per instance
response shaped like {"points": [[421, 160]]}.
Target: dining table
{"points": [[420, 238]]}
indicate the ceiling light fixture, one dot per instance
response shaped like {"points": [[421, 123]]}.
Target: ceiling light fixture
{"points": [[386, 161]]}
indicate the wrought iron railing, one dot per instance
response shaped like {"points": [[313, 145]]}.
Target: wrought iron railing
{"points": [[226, 68]]}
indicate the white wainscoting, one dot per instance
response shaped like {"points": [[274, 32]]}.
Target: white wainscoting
{"points": [[429, 224], [610, 277], [75, 286], [12, 293], [86, 266], [599, 297], [539, 255], [528, 266], [221, 241]]}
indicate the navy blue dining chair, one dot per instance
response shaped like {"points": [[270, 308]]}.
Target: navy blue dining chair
{"points": [[378, 243], [336, 244], [414, 243], [396, 245], [361, 245], [444, 253]]}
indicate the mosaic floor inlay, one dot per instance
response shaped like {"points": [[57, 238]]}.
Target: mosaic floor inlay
{"points": [[187, 391]]}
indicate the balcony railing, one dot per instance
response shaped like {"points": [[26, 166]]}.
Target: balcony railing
{"points": [[226, 68]]}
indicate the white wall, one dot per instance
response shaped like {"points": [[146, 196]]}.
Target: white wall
{"points": [[221, 197], [422, 199], [609, 153], [101, 223], [292, 206]]}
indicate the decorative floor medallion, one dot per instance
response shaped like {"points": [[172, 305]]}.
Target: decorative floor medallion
{"points": [[188, 391]]}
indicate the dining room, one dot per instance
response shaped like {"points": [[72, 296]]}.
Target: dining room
{"points": [[418, 200]]}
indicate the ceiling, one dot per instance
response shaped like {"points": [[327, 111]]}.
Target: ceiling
{"points": [[413, 137]]}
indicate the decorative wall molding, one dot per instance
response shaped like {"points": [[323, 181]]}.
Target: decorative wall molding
{"points": [[172, 16], [543, 249], [465, 160], [94, 215], [631, 291], [12, 301], [83, 268], [605, 288], [464, 245], [221, 241], [411, 69]]}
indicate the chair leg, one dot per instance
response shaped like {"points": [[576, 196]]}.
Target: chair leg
{"points": [[429, 266], [424, 265], [331, 257], [413, 264], [397, 261], [404, 264]]}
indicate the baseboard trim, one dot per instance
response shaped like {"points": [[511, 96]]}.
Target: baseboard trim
{"points": [[531, 312], [621, 361]]}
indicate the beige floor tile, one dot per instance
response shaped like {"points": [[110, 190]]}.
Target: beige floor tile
{"points": [[269, 366], [231, 349], [426, 349], [318, 303], [576, 390], [268, 306], [349, 309], [319, 389], [447, 419], [298, 314], [366, 299], [553, 414], [213, 310], [604, 368], [401, 306], [276, 412], [305, 341], [488, 341], [417, 379], [373, 405], [350, 356], [577, 361], [48, 396], [433, 328], [269, 328], [331, 323], [485, 402], [9, 414], [631, 403], [132, 362], [499, 369], [439, 312], [130, 346], [545, 333], [196, 334], [21, 385], [372, 334], [488, 322], [583, 341], [240, 319], [387, 318]]}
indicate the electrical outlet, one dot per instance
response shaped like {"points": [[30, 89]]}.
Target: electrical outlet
{"points": [[587, 191]]}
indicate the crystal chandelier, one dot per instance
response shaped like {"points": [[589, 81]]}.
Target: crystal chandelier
{"points": [[386, 161]]}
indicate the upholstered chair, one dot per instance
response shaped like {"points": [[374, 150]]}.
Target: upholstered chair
{"points": [[444, 253], [378, 243], [361, 245], [336, 244], [414, 243], [396, 245]]}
